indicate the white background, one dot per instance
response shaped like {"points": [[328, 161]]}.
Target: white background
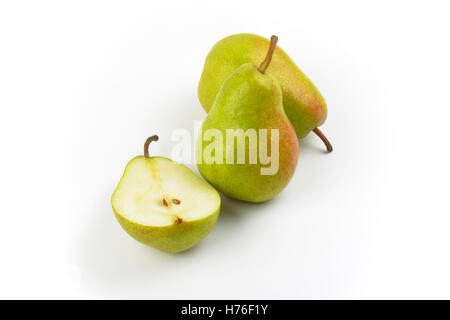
{"points": [[83, 83]]}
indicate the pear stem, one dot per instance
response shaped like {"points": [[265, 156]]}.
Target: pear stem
{"points": [[265, 64], [324, 139], [147, 143]]}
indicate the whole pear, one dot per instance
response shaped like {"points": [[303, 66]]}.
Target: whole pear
{"points": [[304, 105], [163, 204], [250, 102]]}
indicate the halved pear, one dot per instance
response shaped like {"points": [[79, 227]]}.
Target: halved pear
{"points": [[163, 204]]}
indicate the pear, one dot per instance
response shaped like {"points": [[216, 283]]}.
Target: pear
{"points": [[163, 204], [248, 106], [303, 103]]}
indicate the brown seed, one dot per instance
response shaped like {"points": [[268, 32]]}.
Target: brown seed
{"points": [[165, 203], [176, 201], [179, 220]]}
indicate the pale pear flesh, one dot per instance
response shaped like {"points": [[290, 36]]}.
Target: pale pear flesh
{"points": [[162, 203]]}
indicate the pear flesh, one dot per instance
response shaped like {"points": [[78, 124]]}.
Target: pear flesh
{"points": [[163, 204]]}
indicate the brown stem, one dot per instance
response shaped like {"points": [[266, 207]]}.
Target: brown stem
{"points": [[147, 143], [265, 64], [324, 139]]}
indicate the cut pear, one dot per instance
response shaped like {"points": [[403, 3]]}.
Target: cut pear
{"points": [[163, 204]]}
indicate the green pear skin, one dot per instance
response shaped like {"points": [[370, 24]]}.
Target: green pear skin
{"points": [[249, 99], [304, 105], [172, 239]]}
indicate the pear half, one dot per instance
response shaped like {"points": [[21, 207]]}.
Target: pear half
{"points": [[163, 204]]}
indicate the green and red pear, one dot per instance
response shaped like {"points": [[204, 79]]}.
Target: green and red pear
{"points": [[303, 103]]}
